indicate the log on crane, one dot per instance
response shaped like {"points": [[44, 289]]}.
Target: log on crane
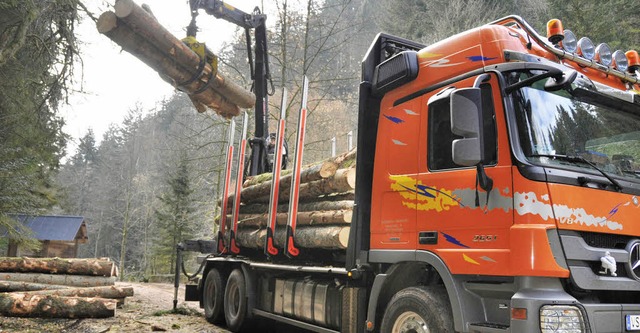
{"points": [[190, 68]]}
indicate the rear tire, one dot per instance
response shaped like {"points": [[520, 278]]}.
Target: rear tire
{"points": [[418, 310], [235, 301], [213, 297]]}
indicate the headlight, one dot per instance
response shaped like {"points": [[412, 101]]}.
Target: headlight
{"points": [[586, 48], [570, 42], [620, 61], [561, 319], [603, 54]]}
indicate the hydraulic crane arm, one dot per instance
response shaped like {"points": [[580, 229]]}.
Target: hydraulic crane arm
{"points": [[259, 67], [231, 14]]}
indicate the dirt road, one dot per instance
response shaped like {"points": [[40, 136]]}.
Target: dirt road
{"points": [[147, 311]]}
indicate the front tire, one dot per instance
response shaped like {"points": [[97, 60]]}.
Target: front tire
{"points": [[235, 301], [213, 297], [418, 310]]}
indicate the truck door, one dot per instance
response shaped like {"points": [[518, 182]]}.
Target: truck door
{"points": [[465, 225]]}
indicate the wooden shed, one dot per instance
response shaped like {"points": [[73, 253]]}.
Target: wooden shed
{"points": [[59, 235]]}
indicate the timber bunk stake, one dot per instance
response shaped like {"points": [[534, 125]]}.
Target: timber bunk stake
{"points": [[239, 175], [269, 246], [290, 244], [222, 248]]}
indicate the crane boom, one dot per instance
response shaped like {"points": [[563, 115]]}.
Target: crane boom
{"points": [[259, 65]]}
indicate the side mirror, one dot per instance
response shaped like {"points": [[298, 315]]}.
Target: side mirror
{"points": [[558, 82], [466, 121]]}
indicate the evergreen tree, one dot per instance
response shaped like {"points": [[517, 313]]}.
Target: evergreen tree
{"points": [[175, 213], [37, 54], [614, 22]]}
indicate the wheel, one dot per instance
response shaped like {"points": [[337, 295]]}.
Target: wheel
{"points": [[418, 310], [235, 302], [213, 297]]}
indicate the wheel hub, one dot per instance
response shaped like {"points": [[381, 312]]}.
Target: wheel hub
{"points": [[410, 322]]}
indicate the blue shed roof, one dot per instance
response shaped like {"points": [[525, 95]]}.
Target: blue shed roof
{"points": [[55, 228]]}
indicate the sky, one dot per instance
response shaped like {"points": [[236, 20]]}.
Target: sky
{"points": [[114, 82]]}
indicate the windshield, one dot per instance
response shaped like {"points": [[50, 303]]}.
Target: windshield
{"points": [[560, 123]]}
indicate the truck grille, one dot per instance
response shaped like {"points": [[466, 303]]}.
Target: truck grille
{"points": [[584, 250], [605, 241]]}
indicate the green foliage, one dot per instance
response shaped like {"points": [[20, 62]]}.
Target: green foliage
{"points": [[175, 213], [37, 53], [428, 21], [614, 22]]}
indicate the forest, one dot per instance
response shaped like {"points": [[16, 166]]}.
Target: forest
{"points": [[154, 179]]}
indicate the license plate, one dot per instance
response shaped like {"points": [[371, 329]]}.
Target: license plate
{"points": [[633, 322]]}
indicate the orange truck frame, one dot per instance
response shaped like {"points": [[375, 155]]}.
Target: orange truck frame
{"points": [[498, 175]]}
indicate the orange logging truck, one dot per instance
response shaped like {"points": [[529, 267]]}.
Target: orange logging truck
{"points": [[497, 190]]}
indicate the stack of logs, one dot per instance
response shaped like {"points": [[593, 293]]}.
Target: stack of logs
{"points": [[324, 212], [137, 32], [59, 288]]}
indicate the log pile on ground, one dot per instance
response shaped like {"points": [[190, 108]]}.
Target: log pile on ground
{"points": [[325, 206], [59, 288], [137, 32]]}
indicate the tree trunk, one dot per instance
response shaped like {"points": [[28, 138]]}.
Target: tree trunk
{"points": [[324, 169], [147, 26], [344, 180], [259, 208], [111, 292], [11, 286], [320, 237], [91, 266], [49, 306], [304, 218], [346, 159], [59, 279], [176, 67]]}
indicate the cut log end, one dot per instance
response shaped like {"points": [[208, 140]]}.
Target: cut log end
{"points": [[124, 8], [107, 22], [328, 169]]}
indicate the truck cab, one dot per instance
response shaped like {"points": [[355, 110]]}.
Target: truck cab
{"points": [[501, 168]]}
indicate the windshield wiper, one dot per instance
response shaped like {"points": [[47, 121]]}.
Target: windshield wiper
{"points": [[577, 159]]}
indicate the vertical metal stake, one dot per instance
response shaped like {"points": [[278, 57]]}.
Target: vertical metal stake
{"points": [[225, 193], [333, 147], [239, 178], [290, 247], [269, 245]]}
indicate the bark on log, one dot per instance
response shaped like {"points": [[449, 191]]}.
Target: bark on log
{"points": [[91, 266], [12, 286], [259, 208], [343, 181], [319, 237], [147, 26], [111, 292], [60, 279], [320, 171], [346, 159], [172, 70], [324, 169], [49, 306], [304, 218], [350, 196]]}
